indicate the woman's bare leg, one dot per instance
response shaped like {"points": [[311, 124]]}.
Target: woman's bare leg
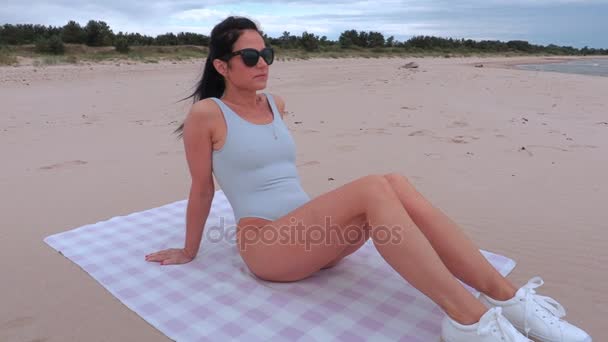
{"points": [[353, 245], [395, 235], [456, 250]]}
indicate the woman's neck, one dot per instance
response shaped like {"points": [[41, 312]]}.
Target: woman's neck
{"points": [[241, 98]]}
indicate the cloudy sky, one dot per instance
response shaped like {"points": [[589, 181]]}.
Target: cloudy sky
{"points": [[563, 22]]}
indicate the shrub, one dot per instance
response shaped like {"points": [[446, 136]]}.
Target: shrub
{"points": [[6, 58], [122, 45], [309, 41], [71, 59], [53, 45]]}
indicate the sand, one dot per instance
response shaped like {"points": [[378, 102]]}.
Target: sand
{"points": [[517, 158]]}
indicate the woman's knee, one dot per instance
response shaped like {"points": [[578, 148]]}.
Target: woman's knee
{"points": [[402, 186], [395, 178], [376, 188], [376, 183]]}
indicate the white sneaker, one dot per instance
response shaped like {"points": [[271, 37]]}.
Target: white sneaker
{"points": [[492, 327], [538, 317]]}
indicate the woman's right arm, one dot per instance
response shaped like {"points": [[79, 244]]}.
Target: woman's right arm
{"points": [[198, 147], [196, 216], [198, 137]]}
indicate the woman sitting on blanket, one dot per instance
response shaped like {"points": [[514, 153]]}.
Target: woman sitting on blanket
{"points": [[239, 135]]}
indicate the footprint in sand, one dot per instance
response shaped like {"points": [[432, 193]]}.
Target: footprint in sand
{"points": [[463, 139], [433, 155], [308, 131], [458, 123], [346, 148], [521, 120], [140, 122], [582, 146], [18, 322], [90, 119], [165, 153], [364, 131], [549, 147], [376, 131], [64, 164], [459, 140], [419, 133], [398, 124], [524, 149]]}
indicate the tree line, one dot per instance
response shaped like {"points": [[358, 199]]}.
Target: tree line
{"points": [[98, 33]]}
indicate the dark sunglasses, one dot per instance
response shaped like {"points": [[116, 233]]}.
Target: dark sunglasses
{"points": [[252, 56]]}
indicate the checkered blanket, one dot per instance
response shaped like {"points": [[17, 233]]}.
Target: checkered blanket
{"points": [[215, 297]]}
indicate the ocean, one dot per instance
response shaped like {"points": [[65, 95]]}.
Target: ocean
{"points": [[596, 67]]}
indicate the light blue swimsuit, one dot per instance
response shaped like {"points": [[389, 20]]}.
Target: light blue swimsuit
{"points": [[256, 166]]}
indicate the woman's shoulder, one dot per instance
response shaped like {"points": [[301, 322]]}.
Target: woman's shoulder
{"points": [[204, 106], [203, 114], [280, 102], [205, 109]]}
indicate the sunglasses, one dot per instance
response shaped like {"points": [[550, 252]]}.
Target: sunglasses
{"points": [[251, 56]]}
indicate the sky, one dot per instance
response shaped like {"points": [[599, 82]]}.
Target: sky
{"points": [[575, 23]]}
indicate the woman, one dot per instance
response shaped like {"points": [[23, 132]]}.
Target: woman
{"points": [[243, 141]]}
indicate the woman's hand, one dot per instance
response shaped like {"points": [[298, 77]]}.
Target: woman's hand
{"points": [[171, 256]]}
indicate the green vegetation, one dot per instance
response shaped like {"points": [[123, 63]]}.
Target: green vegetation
{"points": [[122, 45], [53, 45], [96, 42], [7, 56]]}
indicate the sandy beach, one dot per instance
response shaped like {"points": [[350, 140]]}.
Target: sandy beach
{"points": [[517, 158]]}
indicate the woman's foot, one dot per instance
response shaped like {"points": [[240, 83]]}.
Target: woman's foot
{"points": [[536, 316], [492, 327]]}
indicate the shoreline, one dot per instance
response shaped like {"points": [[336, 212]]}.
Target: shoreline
{"points": [[513, 64]]}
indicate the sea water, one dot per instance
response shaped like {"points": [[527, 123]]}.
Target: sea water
{"points": [[597, 67]]}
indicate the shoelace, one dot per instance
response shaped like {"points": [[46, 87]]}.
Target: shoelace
{"points": [[548, 303], [495, 318]]}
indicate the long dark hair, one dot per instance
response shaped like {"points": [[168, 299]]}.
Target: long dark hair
{"points": [[223, 37]]}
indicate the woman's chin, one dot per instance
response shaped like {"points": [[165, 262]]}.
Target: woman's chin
{"points": [[260, 85]]}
